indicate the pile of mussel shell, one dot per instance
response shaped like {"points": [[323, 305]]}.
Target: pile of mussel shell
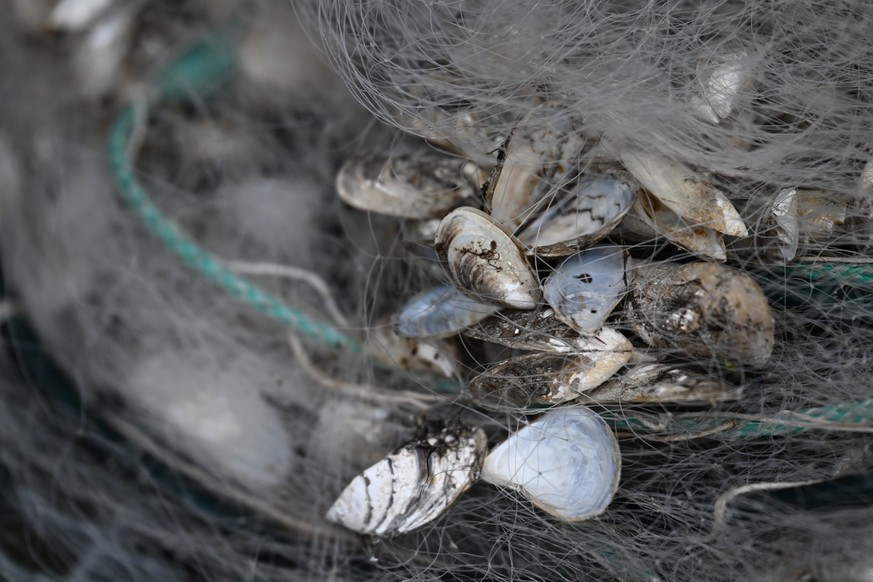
{"points": [[525, 265]]}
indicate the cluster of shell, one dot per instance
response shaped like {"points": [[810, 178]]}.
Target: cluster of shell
{"points": [[518, 244]]}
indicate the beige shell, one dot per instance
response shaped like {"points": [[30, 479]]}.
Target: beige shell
{"points": [[703, 309], [650, 218], [543, 146], [484, 261], [681, 190], [553, 378], [418, 185], [537, 331], [662, 384], [416, 355]]}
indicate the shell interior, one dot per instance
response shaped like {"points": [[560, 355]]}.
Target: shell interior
{"points": [[566, 462], [586, 287], [484, 261]]}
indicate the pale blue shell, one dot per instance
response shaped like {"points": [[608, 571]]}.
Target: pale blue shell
{"points": [[585, 289], [566, 462], [439, 312]]}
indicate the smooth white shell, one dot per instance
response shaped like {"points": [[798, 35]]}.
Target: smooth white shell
{"points": [[440, 312], [722, 85], [566, 462], [582, 213], [484, 261], [586, 287], [412, 485]]}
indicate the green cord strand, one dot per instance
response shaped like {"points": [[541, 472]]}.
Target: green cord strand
{"points": [[135, 195], [858, 275]]}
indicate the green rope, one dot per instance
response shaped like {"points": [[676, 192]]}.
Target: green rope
{"points": [[858, 275], [848, 412], [204, 67]]}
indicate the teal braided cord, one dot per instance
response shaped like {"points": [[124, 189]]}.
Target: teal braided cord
{"points": [[859, 275], [848, 412], [211, 268]]}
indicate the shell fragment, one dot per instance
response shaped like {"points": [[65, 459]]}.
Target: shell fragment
{"points": [[484, 261], [566, 462], [703, 309], [586, 287], [440, 312], [413, 485], [551, 378]]}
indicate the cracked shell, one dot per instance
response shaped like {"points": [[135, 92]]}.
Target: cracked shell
{"points": [[566, 462], [413, 485], [484, 261]]}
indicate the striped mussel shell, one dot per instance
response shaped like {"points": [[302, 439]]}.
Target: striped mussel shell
{"points": [[413, 485]]}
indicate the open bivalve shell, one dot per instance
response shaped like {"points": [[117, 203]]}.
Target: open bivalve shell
{"points": [[417, 185], [484, 261], [413, 485], [566, 462], [586, 287], [703, 309], [553, 378], [580, 213]]}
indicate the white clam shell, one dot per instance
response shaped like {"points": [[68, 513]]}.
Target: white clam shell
{"points": [[413, 485], [684, 192], [554, 378], [586, 287], [703, 309], [419, 185], [583, 212], [566, 462], [484, 261], [440, 312]]}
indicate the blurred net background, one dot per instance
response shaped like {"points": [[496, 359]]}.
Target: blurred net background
{"points": [[155, 427]]}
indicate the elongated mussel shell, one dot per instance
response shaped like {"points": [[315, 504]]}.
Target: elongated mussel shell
{"points": [[650, 218], [537, 331], [543, 145], [780, 232], [582, 212], [413, 485], [553, 378], [586, 287], [703, 309], [566, 462], [440, 312], [421, 184], [684, 192], [484, 261], [662, 384]]}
